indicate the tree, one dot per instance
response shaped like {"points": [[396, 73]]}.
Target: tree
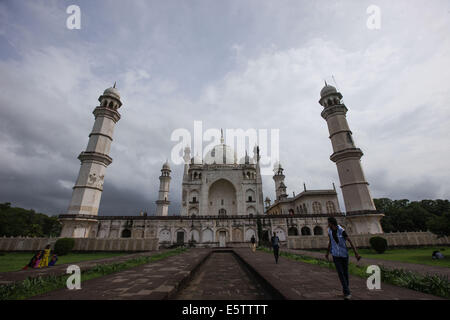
{"points": [[22, 222], [404, 215], [260, 231], [440, 225]]}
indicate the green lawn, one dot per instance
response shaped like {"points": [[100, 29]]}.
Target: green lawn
{"points": [[411, 255], [420, 255], [13, 261]]}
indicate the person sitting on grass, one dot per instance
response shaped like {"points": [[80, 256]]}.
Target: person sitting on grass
{"points": [[46, 254], [32, 262], [53, 260], [437, 255], [39, 256], [337, 245]]}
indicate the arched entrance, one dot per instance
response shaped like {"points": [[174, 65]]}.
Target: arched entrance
{"points": [[265, 236], [180, 237], [207, 236], [164, 236], [249, 233], [292, 231], [222, 198], [280, 233], [306, 231], [126, 233], [222, 239], [195, 236], [318, 231]]}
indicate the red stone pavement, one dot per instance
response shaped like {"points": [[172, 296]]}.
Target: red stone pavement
{"points": [[153, 281], [296, 280]]}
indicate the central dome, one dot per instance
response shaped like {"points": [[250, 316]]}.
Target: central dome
{"points": [[220, 154]]}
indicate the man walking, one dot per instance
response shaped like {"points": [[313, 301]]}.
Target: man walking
{"points": [[253, 240], [276, 246], [337, 246]]}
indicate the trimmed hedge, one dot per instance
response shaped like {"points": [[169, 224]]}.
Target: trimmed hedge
{"points": [[378, 244], [63, 246]]}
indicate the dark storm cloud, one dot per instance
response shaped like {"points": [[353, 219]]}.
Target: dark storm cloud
{"points": [[258, 64]]}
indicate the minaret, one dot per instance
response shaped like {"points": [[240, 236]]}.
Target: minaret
{"points": [[162, 204], [186, 158], [184, 188], [346, 155], [259, 188], [278, 177], [267, 203], [88, 188]]}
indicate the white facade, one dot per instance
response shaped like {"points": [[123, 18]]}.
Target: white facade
{"points": [[222, 199], [219, 185]]}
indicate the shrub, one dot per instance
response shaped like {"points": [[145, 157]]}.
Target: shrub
{"points": [[378, 244], [64, 246]]}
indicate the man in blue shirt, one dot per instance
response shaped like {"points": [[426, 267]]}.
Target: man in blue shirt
{"points": [[337, 245]]}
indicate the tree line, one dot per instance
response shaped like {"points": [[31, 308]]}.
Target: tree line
{"points": [[15, 222], [425, 215]]}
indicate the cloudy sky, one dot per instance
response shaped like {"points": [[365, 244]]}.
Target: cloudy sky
{"points": [[230, 64]]}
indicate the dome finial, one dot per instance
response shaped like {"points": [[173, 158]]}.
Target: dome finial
{"points": [[326, 84], [114, 84]]}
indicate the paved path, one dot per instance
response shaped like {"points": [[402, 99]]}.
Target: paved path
{"points": [[222, 277], [13, 276], [418, 268], [191, 275], [156, 280], [297, 280]]}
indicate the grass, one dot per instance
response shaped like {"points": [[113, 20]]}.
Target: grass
{"points": [[410, 255], [35, 286], [14, 261], [431, 284], [421, 255]]}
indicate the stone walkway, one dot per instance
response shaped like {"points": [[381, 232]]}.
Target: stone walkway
{"points": [[418, 268], [153, 281], [13, 276], [296, 280], [222, 277], [202, 274]]}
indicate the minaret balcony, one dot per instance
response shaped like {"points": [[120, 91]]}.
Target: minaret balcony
{"points": [[346, 153], [336, 109], [95, 156], [106, 112]]}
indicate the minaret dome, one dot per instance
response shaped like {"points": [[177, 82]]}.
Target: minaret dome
{"points": [[110, 98], [329, 96]]}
